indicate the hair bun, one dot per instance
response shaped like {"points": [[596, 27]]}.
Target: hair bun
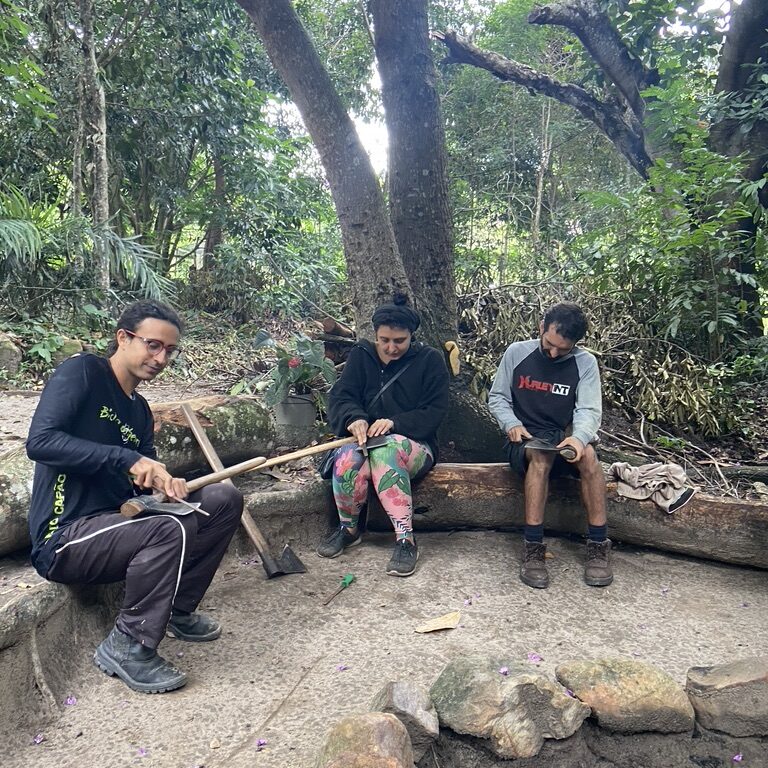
{"points": [[400, 299]]}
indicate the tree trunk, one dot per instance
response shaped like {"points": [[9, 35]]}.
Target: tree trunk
{"points": [[374, 266], [546, 149], [491, 496], [215, 233], [418, 187], [96, 122]]}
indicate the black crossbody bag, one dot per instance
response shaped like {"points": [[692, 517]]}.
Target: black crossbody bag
{"points": [[326, 465]]}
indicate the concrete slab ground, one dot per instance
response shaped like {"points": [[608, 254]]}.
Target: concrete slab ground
{"points": [[275, 674]]}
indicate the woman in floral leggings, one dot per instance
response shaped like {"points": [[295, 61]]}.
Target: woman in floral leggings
{"points": [[398, 388]]}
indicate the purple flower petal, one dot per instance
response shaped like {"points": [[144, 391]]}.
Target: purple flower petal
{"points": [[341, 667], [70, 701], [744, 605], [664, 590], [260, 744], [38, 738], [504, 671], [569, 692], [468, 601], [534, 658], [737, 758], [477, 594], [142, 752]]}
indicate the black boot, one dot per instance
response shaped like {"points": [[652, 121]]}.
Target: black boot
{"points": [[139, 667]]}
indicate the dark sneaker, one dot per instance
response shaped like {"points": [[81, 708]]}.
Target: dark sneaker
{"points": [[193, 627], [337, 542], [597, 570], [140, 668], [533, 569], [404, 557]]}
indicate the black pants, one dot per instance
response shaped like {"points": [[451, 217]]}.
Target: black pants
{"points": [[167, 561]]}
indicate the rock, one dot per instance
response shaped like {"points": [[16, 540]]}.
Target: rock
{"points": [[628, 696], [412, 705], [16, 473], [731, 698], [10, 355], [68, 348], [371, 740], [516, 711]]}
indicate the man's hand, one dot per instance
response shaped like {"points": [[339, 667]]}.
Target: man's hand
{"points": [[359, 430], [148, 473], [577, 446], [517, 434], [381, 427]]}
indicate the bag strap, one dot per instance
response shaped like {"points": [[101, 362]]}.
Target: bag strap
{"points": [[391, 382]]}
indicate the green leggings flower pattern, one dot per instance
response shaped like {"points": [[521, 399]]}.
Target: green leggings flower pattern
{"points": [[390, 468]]}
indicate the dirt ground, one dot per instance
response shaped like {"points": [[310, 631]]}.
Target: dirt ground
{"points": [[287, 667]]}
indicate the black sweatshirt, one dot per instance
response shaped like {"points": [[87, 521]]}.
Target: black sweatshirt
{"points": [[85, 435], [416, 402]]}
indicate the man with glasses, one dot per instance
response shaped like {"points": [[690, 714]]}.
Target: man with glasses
{"points": [[92, 440], [547, 390]]}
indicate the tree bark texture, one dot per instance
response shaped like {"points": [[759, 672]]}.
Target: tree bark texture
{"points": [[417, 182], [482, 496], [745, 44], [95, 115], [240, 428], [374, 267]]}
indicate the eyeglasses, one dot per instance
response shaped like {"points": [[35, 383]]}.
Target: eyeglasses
{"points": [[155, 346]]}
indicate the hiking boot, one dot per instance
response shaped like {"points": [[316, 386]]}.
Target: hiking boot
{"points": [[338, 541], [193, 627], [533, 569], [597, 570], [140, 668], [404, 557]]}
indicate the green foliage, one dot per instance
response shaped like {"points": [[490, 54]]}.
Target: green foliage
{"points": [[46, 259], [21, 85]]}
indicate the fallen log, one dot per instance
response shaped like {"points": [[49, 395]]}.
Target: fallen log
{"points": [[239, 428], [482, 496]]}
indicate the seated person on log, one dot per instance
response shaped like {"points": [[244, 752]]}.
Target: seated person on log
{"points": [[396, 387], [92, 440], [548, 388]]}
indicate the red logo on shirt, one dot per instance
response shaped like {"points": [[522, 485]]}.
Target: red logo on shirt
{"points": [[526, 382]]}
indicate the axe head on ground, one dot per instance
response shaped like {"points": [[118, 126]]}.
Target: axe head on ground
{"points": [[157, 506]]}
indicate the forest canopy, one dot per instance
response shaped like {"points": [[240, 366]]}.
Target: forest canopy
{"points": [[613, 153]]}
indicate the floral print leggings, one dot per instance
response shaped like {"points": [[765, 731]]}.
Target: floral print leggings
{"points": [[390, 469]]}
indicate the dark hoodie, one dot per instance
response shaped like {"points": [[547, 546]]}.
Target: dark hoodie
{"points": [[416, 402]]}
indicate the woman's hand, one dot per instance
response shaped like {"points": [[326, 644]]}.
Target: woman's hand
{"points": [[381, 427], [359, 430]]}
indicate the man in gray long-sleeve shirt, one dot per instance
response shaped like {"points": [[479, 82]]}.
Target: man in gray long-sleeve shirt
{"points": [[548, 388]]}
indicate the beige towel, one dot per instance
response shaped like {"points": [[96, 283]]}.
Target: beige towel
{"points": [[665, 484]]}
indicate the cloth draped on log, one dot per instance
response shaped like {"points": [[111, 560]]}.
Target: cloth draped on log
{"points": [[665, 484]]}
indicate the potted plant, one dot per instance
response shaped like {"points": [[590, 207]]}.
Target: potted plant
{"points": [[298, 384]]}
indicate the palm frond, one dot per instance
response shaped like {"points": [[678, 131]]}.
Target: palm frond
{"points": [[135, 262]]}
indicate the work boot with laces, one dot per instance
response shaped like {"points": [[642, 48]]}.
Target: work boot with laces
{"points": [[140, 668], [193, 627], [597, 570], [338, 541], [533, 569], [404, 557]]}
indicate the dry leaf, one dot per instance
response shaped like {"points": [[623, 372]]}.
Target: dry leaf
{"points": [[448, 621]]}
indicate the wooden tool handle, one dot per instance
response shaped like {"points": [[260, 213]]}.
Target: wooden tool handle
{"points": [[137, 505], [261, 463]]}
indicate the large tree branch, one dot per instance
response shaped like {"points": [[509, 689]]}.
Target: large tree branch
{"points": [[616, 121], [594, 29]]}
